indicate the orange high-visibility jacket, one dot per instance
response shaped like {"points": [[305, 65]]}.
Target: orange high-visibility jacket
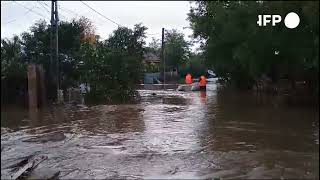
{"points": [[203, 81], [188, 79]]}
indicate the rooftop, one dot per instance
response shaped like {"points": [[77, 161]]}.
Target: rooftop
{"points": [[149, 56]]}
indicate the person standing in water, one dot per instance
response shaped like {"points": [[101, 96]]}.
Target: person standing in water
{"points": [[188, 79], [203, 83]]}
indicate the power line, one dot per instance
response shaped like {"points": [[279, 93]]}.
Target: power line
{"points": [[43, 6], [16, 19], [69, 11], [30, 9], [61, 13], [152, 34], [9, 22], [100, 13], [64, 17], [39, 8], [73, 12]]}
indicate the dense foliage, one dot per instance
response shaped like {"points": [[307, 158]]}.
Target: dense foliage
{"points": [[112, 67], [12, 64], [177, 53], [154, 47], [239, 50], [13, 68], [177, 50], [194, 65]]}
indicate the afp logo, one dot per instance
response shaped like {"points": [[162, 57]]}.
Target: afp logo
{"points": [[291, 20]]}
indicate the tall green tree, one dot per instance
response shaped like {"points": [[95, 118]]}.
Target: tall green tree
{"points": [[177, 49], [194, 65], [13, 69], [238, 49], [12, 63], [36, 48], [154, 47], [113, 67]]}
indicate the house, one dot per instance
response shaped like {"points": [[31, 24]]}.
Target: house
{"points": [[151, 58], [151, 63], [153, 73]]}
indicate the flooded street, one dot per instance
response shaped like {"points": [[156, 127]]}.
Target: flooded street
{"points": [[169, 134]]}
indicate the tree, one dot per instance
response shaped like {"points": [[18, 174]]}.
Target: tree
{"points": [[194, 65], [176, 49], [154, 47], [113, 67], [36, 48], [239, 50], [13, 69], [12, 64]]}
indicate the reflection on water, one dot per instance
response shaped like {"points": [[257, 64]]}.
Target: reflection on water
{"points": [[169, 134]]}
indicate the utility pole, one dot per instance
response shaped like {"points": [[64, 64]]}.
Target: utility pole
{"points": [[163, 61], [54, 44], [51, 38]]}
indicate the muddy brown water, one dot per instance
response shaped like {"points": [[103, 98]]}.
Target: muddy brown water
{"points": [[168, 135]]}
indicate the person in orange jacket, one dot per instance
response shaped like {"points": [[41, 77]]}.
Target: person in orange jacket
{"points": [[188, 79], [203, 83]]}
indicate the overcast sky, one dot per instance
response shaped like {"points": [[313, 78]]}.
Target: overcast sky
{"points": [[153, 14]]}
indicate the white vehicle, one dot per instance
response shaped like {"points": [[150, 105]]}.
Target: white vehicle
{"points": [[212, 79], [211, 73]]}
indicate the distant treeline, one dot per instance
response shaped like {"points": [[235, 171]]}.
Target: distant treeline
{"points": [[113, 67]]}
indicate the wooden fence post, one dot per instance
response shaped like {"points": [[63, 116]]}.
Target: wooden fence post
{"points": [[42, 92], [32, 86]]}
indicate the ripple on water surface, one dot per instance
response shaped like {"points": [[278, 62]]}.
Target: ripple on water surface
{"points": [[169, 134]]}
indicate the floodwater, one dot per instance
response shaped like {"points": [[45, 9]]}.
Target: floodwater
{"points": [[169, 135]]}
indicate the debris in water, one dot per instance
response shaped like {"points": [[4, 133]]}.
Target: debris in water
{"points": [[28, 164]]}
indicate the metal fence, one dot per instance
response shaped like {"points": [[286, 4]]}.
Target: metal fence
{"points": [[151, 78]]}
